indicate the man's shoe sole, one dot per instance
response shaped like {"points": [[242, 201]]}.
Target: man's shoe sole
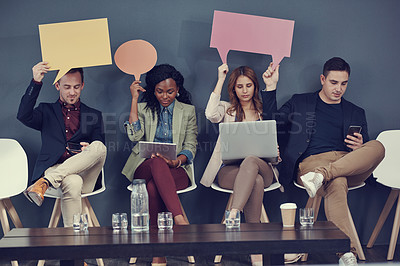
{"points": [[36, 198]]}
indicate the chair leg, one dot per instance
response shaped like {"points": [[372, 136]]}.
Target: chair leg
{"points": [[12, 212], [92, 221], [183, 212], [3, 217], [314, 203], [88, 207], [4, 222], [383, 216], [190, 258], [56, 214], [358, 246], [218, 258], [395, 230]]}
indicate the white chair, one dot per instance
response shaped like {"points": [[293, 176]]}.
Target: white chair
{"points": [[86, 208], [387, 174], [263, 217], [315, 204], [13, 181], [192, 186]]}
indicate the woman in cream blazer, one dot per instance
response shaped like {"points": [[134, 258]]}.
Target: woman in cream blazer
{"points": [[249, 178]]}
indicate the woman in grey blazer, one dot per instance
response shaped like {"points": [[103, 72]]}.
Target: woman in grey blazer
{"points": [[249, 178], [165, 115]]}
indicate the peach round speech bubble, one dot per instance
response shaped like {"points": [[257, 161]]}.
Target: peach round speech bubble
{"points": [[135, 57]]}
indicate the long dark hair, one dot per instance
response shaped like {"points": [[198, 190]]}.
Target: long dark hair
{"points": [[156, 75], [235, 103]]}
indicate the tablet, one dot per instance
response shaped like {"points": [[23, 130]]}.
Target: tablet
{"points": [[147, 148]]}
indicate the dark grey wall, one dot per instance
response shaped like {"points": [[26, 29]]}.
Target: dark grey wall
{"points": [[364, 32]]}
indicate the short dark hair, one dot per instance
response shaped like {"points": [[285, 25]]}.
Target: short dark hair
{"points": [[336, 64], [73, 70]]}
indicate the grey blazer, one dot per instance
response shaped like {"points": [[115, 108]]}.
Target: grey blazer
{"points": [[184, 135]]}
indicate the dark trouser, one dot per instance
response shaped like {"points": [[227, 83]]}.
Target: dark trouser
{"points": [[162, 183]]}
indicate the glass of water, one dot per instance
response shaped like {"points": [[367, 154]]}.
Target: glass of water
{"points": [[84, 221], [165, 221], [116, 221], [306, 216], [124, 221], [76, 222], [232, 219]]}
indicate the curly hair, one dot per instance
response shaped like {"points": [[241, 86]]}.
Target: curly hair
{"points": [[234, 100], [156, 75]]}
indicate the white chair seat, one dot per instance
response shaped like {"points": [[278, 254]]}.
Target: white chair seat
{"points": [[387, 173], [13, 181], [273, 186]]}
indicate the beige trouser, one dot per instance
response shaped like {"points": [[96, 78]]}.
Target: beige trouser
{"points": [[342, 170], [248, 181], [78, 174]]}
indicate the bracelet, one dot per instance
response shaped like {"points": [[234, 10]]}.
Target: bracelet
{"points": [[179, 164]]}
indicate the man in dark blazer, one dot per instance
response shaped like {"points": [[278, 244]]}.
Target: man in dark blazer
{"points": [[73, 151], [315, 146]]}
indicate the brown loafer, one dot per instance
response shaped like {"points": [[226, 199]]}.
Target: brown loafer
{"points": [[35, 193]]}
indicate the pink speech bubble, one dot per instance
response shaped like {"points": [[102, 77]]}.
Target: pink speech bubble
{"points": [[248, 33], [135, 57]]}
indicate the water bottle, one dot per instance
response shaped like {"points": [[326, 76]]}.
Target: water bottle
{"points": [[139, 206]]}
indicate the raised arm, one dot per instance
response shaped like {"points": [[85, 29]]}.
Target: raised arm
{"points": [[26, 113], [134, 128], [215, 109]]}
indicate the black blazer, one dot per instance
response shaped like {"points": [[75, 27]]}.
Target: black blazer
{"points": [[296, 124], [48, 119]]}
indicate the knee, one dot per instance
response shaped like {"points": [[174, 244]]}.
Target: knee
{"points": [[157, 161], [259, 183], [249, 161], [378, 147], [72, 186], [99, 148]]}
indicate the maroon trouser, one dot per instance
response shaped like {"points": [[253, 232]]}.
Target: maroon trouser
{"points": [[162, 182]]}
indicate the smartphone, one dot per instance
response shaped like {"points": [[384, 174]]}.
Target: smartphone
{"points": [[354, 129], [74, 147]]}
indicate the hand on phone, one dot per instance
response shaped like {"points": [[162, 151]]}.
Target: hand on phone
{"points": [[354, 139], [73, 147]]}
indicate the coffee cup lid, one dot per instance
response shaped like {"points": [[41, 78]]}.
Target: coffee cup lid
{"points": [[288, 206]]}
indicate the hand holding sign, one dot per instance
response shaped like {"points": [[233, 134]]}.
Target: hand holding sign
{"points": [[248, 33], [75, 44], [135, 57]]}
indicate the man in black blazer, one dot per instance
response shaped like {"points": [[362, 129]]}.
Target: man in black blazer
{"points": [[73, 151], [315, 146]]}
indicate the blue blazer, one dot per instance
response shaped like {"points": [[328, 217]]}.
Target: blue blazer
{"points": [[48, 119], [296, 124]]}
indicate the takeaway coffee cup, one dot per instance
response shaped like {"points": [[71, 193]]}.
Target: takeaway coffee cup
{"points": [[288, 211]]}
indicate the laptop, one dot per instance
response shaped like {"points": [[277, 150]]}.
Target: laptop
{"points": [[147, 148], [241, 139]]}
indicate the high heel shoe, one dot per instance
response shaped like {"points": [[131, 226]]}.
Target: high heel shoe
{"points": [[163, 263], [293, 257], [256, 260]]}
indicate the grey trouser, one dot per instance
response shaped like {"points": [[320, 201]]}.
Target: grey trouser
{"points": [[248, 181]]}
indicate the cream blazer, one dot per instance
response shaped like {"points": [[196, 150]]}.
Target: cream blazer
{"points": [[184, 135], [216, 113]]}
